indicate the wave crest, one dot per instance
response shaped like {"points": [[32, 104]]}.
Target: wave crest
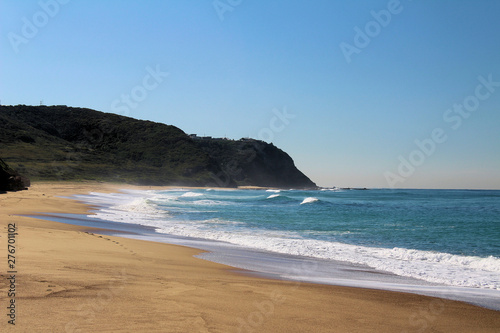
{"points": [[309, 200]]}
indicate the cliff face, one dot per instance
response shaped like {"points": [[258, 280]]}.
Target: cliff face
{"points": [[253, 162], [64, 143], [10, 180]]}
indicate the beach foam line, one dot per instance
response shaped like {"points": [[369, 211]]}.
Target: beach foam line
{"points": [[436, 267]]}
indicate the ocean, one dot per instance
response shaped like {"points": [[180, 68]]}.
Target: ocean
{"points": [[442, 243]]}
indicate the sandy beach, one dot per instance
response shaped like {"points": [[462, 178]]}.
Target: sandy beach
{"points": [[72, 279]]}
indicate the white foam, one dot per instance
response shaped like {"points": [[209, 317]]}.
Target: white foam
{"points": [[191, 195], [444, 268], [274, 191], [273, 196], [309, 200], [209, 203]]}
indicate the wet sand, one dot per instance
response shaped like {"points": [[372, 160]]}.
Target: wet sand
{"points": [[72, 279]]}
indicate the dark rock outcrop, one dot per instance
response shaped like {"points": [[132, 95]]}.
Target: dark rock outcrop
{"points": [[10, 180], [254, 162]]}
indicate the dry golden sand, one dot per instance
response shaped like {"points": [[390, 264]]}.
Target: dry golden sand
{"points": [[71, 279]]}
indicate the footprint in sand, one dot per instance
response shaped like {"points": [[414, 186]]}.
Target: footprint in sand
{"points": [[108, 239]]}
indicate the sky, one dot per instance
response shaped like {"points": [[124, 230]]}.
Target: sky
{"points": [[378, 94]]}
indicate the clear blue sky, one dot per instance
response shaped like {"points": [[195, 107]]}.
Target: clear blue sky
{"points": [[361, 91]]}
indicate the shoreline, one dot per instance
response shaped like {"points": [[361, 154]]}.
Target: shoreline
{"points": [[64, 266], [287, 267]]}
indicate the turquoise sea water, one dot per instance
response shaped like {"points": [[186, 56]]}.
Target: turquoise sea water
{"points": [[455, 222], [450, 237], [443, 243]]}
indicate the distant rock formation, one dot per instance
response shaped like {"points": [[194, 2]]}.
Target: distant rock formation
{"points": [[10, 180], [66, 143]]}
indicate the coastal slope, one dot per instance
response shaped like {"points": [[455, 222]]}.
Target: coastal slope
{"points": [[66, 143], [254, 162]]}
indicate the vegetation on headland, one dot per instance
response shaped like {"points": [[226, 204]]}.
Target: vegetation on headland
{"points": [[66, 143]]}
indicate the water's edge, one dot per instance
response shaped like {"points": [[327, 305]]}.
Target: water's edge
{"points": [[288, 267]]}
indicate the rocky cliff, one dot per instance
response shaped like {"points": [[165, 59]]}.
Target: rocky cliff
{"points": [[65, 143], [254, 162]]}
